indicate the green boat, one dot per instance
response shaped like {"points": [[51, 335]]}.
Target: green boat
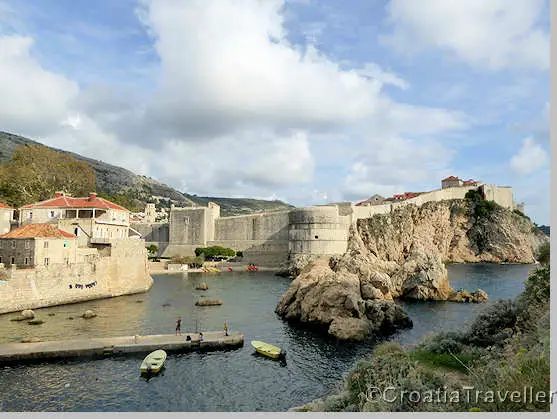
{"points": [[153, 362], [267, 350]]}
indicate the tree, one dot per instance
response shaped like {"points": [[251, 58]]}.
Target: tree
{"points": [[36, 172], [152, 249]]}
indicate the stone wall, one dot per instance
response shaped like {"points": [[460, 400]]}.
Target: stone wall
{"points": [[188, 226], [125, 272], [318, 231]]}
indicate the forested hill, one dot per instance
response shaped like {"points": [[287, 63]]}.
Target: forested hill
{"points": [[114, 180]]}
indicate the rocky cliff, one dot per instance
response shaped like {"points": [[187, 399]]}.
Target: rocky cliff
{"points": [[403, 254]]}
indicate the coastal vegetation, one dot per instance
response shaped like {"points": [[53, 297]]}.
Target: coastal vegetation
{"points": [[214, 251], [503, 355]]}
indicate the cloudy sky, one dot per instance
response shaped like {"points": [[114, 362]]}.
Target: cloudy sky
{"points": [[302, 100]]}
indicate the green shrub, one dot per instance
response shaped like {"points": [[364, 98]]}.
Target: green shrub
{"points": [[214, 251], [543, 253], [240, 254], [442, 343], [518, 212], [493, 325]]}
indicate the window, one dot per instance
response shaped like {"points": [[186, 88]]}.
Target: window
{"points": [[12, 260], [76, 232], [0, 259], [186, 220], [46, 245], [27, 261], [30, 215], [67, 261], [13, 244], [66, 243], [27, 244], [46, 260], [52, 214]]}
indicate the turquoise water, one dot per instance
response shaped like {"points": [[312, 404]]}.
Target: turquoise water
{"points": [[234, 380]]}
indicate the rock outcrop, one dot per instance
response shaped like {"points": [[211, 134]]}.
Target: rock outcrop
{"points": [[403, 255]]}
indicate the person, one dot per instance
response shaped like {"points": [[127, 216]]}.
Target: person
{"points": [[188, 338], [225, 329], [178, 326], [200, 336]]}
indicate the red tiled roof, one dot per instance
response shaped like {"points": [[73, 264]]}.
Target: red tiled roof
{"points": [[5, 206], [450, 178], [30, 231], [70, 202]]}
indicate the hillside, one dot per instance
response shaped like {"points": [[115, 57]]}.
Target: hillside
{"points": [[114, 180], [239, 206]]}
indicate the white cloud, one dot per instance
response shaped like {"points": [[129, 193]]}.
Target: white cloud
{"points": [[237, 111], [34, 99], [373, 71], [492, 34], [395, 165], [529, 158]]}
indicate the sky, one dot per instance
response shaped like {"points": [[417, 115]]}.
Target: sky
{"points": [[301, 100]]}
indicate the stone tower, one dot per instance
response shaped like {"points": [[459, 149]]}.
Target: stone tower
{"points": [[150, 213]]}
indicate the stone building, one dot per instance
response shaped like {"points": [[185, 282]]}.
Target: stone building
{"points": [[6, 217], [91, 219], [35, 245], [451, 182]]}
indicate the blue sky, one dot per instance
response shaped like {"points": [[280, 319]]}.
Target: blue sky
{"points": [[302, 100]]}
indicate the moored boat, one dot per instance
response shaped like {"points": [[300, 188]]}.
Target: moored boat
{"points": [[153, 362], [267, 349]]}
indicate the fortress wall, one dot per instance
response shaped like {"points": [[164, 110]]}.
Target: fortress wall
{"points": [[503, 195], [50, 285], [260, 252], [152, 232], [318, 231], [269, 226], [188, 226], [370, 211]]}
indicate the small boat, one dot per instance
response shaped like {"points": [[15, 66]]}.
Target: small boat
{"points": [[153, 362], [268, 350]]}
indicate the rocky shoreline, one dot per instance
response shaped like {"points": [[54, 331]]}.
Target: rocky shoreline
{"points": [[402, 255]]}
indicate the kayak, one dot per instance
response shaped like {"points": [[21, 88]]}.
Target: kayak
{"points": [[153, 362], [267, 350]]}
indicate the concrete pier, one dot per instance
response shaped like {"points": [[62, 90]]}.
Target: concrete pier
{"points": [[99, 347]]}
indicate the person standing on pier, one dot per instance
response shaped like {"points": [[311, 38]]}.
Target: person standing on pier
{"points": [[178, 326], [225, 328]]}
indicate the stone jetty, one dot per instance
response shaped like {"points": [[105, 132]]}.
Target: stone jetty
{"points": [[100, 347]]}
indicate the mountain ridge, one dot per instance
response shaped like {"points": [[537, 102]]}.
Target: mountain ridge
{"points": [[113, 179]]}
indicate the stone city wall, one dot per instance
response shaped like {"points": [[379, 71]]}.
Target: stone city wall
{"points": [[125, 272]]}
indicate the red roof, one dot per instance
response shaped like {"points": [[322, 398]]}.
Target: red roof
{"points": [[30, 231], [70, 202], [450, 178], [5, 206]]}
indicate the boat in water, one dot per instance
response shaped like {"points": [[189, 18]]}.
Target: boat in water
{"points": [[268, 350], [153, 362]]}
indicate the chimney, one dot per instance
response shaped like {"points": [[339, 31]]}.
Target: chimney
{"points": [[92, 196], [59, 194]]}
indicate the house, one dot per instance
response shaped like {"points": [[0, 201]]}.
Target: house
{"points": [[451, 182], [91, 219], [40, 244], [374, 200], [6, 217]]}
